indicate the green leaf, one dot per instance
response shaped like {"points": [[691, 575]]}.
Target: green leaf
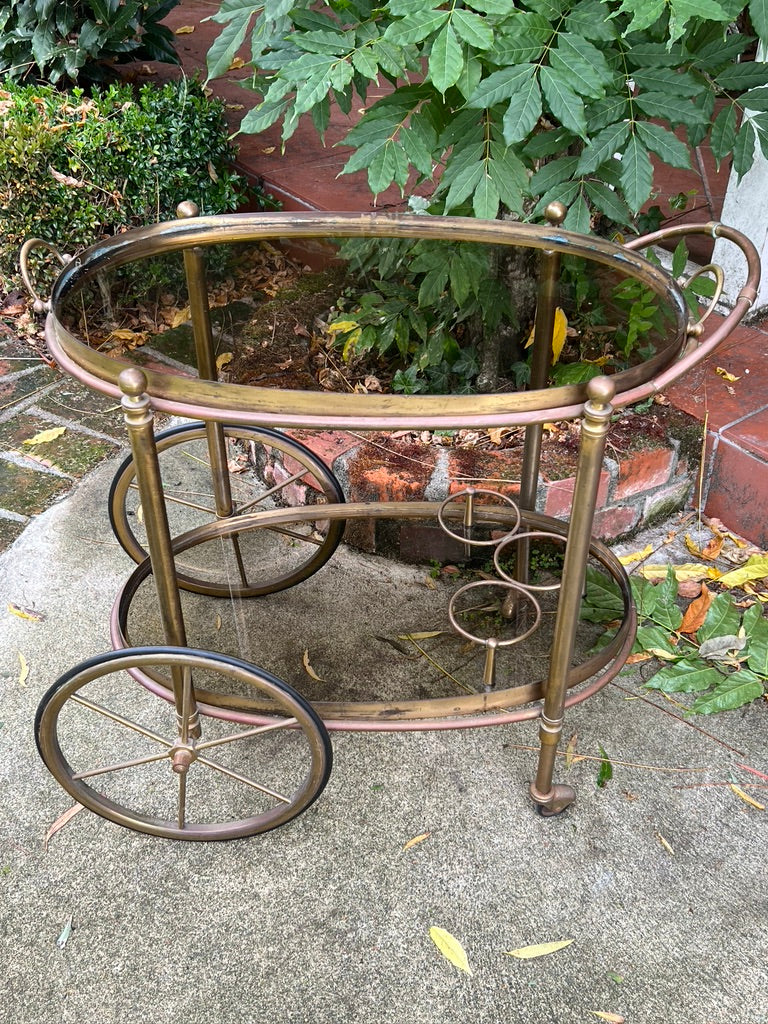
{"points": [[758, 15], [755, 99], [646, 597], [723, 133], [578, 217], [381, 170], [509, 175], [758, 657], [603, 601], [523, 113], [667, 106], [446, 60], [227, 43], [605, 774], [657, 642], [472, 29], [566, 106], [607, 202], [588, 19], [564, 374], [416, 149], [636, 174], [681, 12], [485, 201], [679, 258], [664, 144], [722, 619], [644, 13], [553, 173], [744, 148], [671, 79], [602, 147], [464, 184], [415, 27], [500, 86], [686, 676], [732, 691], [584, 65], [748, 75]]}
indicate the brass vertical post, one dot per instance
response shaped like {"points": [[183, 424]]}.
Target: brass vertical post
{"points": [[138, 416], [594, 428], [200, 314], [546, 305]]}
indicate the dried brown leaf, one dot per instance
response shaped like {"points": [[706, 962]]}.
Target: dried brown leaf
{"points": [[25, 613], [697, 610], [60, 822], [416, 840], [308, 668], [570, 750], [237, 62], [747, 798]]}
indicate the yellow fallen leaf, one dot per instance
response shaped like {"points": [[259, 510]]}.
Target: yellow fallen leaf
{"points": [[612, 1018], [342, 326], [429, 583], [570, 750], [25, 613], [60, 822], [665, 844], [495, 434], [746, 797], [542, 949], [45, 436], [308, 668], [722, 372], [121, 335], [450, 947], [421, 636], [636, 556], [218, 622], [686, 572], [559, 334], [755, 568], [237, 62], [180, 317], [24, 673], [184, 30], [268, 149], [235, 106], [416, 840], [223, 360]]}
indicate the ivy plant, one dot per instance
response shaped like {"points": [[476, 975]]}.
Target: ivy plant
{"points": [[506, 106]]}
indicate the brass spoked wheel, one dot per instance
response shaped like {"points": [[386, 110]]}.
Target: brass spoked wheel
{"points": [[118, 750], [265, 469]]}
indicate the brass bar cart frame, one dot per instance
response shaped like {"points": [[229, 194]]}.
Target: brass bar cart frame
{"points": [[168, 671]]}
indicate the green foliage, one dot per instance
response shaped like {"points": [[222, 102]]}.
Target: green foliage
{"points": [[76, 39], [726, 662], [517, 105], [74, 168], [416, 301]]}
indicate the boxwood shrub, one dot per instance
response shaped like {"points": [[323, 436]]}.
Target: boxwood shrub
{"points": [[75, 167]]}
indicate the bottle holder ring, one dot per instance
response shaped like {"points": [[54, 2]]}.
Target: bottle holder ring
{"points": [[514, 539], [469, 494], [509, 587]]}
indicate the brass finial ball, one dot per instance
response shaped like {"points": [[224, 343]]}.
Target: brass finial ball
{"points": [[133, 382], [601, 390], [555, 212], [187, 209]]}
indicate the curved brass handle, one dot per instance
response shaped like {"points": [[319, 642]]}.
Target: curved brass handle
{"points": [[39, 305], [695, 328]]}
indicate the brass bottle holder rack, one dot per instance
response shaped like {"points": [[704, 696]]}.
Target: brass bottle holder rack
{"points": [[275, 726]]}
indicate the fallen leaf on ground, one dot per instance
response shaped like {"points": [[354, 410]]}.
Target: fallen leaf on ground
{"points": [[756, 568], [223, 360], [421, 636], [636, 556], [45, 436], [450, 947], [237, 62], [709, 552], [722, 372], [416, 840], [570, 750], [746, 797], [636, 659], [429, 583], [541, 949], [665, 844], [60, 822], [697, 610], [180, 317], [685, 572], [612, 1018], [184, 30], [25, 613], [308, 668], [66, 931], [24, 672]]}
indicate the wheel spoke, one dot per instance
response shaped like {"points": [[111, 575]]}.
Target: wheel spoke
{"points": [[119, 765], [182, 800], [271, 491], [242, 778], [259, 730], [120, 720]]}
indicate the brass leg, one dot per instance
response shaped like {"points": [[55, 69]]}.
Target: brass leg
{"points": [[552, 799], [139, 420]]}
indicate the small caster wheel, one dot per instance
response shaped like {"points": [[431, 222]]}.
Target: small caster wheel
{"points": [[557, 800]]}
